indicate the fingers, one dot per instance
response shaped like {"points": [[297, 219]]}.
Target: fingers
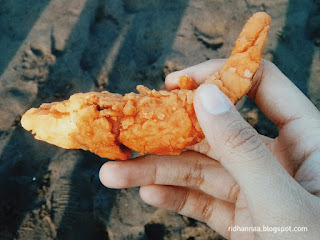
{"points": [[198, 72], [190, 169], [216, 213], [239, 148]]}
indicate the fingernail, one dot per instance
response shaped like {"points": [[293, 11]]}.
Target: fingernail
{"points": [[213, 100]]}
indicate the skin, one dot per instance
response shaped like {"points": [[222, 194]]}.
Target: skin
{"points": [[239, 177]]}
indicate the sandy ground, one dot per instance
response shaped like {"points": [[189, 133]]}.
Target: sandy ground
{"points": [[53, 48]]}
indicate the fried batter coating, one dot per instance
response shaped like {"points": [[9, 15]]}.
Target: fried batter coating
{"points": [[110, 125], [157, 122], [235, 77]]}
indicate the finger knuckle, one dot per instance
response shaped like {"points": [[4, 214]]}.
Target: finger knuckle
{"points": [[183, 201], [234, 192], [242, 136], [202, 211], [206, 210], [194, 177]]}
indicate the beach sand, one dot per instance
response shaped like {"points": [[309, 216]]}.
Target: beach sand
{"points": [[51, 49]]}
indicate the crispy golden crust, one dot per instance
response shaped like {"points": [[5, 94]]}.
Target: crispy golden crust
{"points": [[164, 123], [234, 78], [89, 121], [109, 125], [157, 122]]}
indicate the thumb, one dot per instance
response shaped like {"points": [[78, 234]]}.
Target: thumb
{"points": [[238, 146]]}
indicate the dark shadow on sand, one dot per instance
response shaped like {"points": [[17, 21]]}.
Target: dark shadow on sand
{"points": [[142, 52], [16, 20], [294, 46], [23, 163]]}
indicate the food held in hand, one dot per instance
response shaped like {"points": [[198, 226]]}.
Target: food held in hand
{"points": [[157, 122]]}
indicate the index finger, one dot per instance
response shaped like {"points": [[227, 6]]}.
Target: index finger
{"points": [[198, 73]]}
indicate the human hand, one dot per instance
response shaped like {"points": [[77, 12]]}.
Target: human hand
{"points": [[255, 181]]}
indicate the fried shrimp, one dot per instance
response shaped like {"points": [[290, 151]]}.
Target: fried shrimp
{"points": [[157, 122]]}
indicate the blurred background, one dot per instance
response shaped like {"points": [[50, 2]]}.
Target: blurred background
{"points": [[51, 49]]}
